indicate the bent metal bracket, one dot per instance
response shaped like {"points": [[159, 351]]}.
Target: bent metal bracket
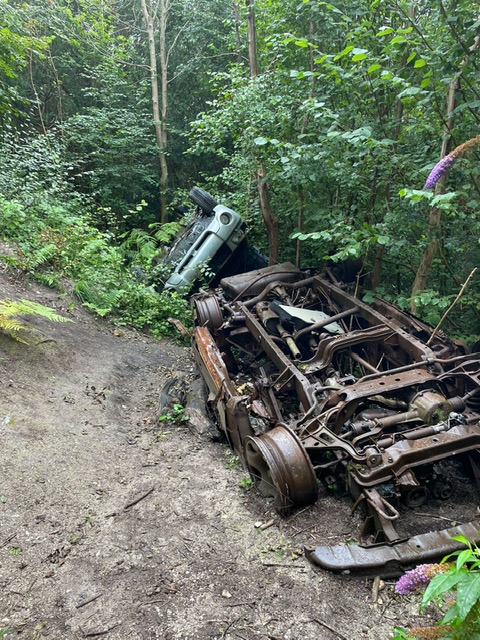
{"points": [[310, 384]]}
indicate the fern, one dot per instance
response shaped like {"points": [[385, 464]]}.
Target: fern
{"points": [[139, 242], [101, 300], [48, 279], [43, 256], [13, 325], [165, 232]]}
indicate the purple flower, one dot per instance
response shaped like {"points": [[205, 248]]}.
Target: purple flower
{"points": [[445, 164], [439, 170], [419, 576], [413, 579]]}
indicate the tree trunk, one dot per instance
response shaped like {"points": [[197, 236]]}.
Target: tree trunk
{"points": [[252, 38], [164, 9], [270, 221], [159, 118], [236, 19]]}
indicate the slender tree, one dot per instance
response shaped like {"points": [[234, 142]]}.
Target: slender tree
{"points": [[269, 219], [159, 94]]}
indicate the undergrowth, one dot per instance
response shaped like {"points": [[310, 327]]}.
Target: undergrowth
{"points": [[119, 278], [453, 586], [62, 238]]}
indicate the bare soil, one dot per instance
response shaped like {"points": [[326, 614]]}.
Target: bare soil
{"points": [[116, 525]]}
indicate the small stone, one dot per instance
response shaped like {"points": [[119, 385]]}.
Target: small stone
{"points": [[226, 594]]}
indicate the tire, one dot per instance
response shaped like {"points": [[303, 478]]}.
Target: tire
{"points": [[203, 200], [347, 271]]}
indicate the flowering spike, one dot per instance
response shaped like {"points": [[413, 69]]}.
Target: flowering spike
{"points": [[445, 164], [439, 170], [419, 576]]}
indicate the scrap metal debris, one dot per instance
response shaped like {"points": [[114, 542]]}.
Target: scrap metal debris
{"points": [[311, 384]]}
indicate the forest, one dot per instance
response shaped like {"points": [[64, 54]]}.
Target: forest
{"points": [[318, 122]]}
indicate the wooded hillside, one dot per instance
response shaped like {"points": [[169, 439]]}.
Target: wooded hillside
{"points": [[321, 120]]}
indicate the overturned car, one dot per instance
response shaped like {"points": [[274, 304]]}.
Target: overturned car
{"points": [[213, 244], [310, 384]]}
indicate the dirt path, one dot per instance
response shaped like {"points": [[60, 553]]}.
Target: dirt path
{"points": [[115, 526]]}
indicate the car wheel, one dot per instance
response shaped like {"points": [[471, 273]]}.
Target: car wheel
{"points": [[203, 200]]}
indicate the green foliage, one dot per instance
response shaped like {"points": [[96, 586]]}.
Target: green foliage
{"points": [[15, 551], [456, 592], [246, 484], [346, 116], [343, 240], [17, 47], [232, 461], [55, 241], [432, 305], [402, 634], [144, 308], [112, 158], [463, 580], [14, 325], [144, 249], [33, 167], [165, 233], [175, 415]]}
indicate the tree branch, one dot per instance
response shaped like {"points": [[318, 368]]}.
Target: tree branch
{"points": [[450, 308]]}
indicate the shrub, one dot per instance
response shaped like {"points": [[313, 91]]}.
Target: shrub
{"points": [[454, 587]]}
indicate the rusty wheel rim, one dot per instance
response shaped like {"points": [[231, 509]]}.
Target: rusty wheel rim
{"points": [[281, 469], [209, 313]]}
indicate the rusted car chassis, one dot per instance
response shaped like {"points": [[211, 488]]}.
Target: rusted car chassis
{"points": [[311, 384]]}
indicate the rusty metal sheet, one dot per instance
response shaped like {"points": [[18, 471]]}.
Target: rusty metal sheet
{"points": [[254, 282], [391, 560]]}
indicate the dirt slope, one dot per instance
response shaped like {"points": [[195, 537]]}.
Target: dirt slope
{"points": [[113, 525]]}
